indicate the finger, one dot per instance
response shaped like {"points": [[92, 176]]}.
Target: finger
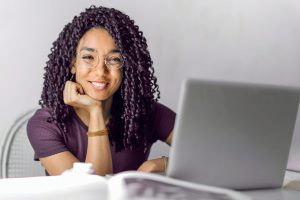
{"points": [[73, 92], [64, 93], [69, 91], [66, 96], [79, 89], [140, 169]]}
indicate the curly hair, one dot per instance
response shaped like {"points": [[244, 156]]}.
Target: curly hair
{"points": [[132, 102]]}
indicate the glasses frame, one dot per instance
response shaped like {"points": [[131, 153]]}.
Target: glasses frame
{"points": [[109, 66]]}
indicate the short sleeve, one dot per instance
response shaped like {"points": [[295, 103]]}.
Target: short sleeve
{"points": [[45, 137], [164, 120]]}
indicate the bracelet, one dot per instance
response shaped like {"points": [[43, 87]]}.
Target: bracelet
{"points": [[97, 133], [165, 162]]}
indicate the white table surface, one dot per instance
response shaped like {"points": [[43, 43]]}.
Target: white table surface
{"points": [[290, 190]]}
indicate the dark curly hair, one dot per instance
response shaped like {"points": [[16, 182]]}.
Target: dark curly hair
{"points": [[132, 102]]}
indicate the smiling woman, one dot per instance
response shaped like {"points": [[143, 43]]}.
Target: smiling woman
{"points": [[99, 78], [99, 100]]}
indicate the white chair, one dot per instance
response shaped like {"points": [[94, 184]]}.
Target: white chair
{"points": [[17, 153]]}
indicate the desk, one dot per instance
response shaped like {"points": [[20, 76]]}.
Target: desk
{"points": [[290, 190], [91, 187], [65, 187]]}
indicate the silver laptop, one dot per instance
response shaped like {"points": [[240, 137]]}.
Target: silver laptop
{"points": [[233, 135]]}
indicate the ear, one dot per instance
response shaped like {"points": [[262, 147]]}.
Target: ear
{"points": [[73, 67]]}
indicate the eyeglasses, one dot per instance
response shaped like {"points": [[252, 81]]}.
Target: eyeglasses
{"points": [[89, 58]]}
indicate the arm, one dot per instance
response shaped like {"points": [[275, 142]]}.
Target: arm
{"points": [[58, 163], [169, 139], [98, 151], [163, 123], [158, 164]]}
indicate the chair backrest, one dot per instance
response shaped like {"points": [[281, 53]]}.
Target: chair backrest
{"points": [[17, 153]]}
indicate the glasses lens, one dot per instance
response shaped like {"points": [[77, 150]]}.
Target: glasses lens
{"points": [[87, 58], [114, 60]]}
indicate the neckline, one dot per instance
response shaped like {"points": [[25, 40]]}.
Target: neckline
{"points": [[77, 118], [81, 123]]}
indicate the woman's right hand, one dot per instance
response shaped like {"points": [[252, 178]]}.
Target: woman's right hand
{"points": [[98, 149], [75, 96]]}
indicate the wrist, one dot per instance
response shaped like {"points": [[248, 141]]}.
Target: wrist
{"points": [[95, 112], [96, 121], [165, 162]]}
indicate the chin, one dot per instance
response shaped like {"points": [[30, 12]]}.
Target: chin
{"points": [[99, 97]]}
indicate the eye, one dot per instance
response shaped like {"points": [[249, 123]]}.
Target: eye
{"points": [[88, 57], [114, 59]]}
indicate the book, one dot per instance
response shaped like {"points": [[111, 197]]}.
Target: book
{"points": [[122, 186], [146, 186]]}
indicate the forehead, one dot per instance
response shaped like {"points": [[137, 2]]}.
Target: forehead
{"points": [[98, 39]]}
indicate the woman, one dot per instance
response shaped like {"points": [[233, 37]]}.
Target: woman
{"points": [[99, 100]]}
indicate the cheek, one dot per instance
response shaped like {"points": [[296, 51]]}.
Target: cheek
{"points": [[80, 74], [117, 76], [119, 82]]}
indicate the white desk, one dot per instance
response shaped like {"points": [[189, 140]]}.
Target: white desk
{"points": [[290, 191], [96, 188]]}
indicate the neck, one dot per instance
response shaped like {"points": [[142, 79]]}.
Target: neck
{"points": [[106, 108]]}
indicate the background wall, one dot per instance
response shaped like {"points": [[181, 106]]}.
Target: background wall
{"points": [[242, 40]]}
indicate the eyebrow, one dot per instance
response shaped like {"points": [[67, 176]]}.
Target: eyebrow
{"points": [[115, 51], [88, 49], [94, 50]]}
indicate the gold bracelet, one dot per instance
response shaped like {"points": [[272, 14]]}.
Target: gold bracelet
{"points": [[97, 133], [165, 162]]}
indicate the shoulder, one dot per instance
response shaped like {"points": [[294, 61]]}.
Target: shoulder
{"points": [[159, 108], [41, 116], [40, 120], [45, 137], [163, 120]]}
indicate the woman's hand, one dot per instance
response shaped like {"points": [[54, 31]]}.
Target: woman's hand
{"points": [[75, 96], [98, 149], [155, 165]]}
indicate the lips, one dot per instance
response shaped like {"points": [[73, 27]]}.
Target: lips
{"points": [[99, 85]]}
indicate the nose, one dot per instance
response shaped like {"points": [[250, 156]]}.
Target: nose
{"points": [[101, 67]]}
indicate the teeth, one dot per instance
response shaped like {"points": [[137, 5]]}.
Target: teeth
{"points": [[99, 85]]}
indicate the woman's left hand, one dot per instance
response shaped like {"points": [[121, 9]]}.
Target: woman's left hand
{"points": [[155, 165]]}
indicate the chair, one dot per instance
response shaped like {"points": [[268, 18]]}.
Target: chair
{"points": [[17, 153]]}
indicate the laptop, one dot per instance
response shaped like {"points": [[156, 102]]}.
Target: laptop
{"points": [[294, 157], [233, 135]]}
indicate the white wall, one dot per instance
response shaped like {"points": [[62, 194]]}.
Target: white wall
{"points": [[253, 41]]}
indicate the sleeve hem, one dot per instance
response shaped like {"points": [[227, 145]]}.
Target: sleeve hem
{"points": [[49, 153]]}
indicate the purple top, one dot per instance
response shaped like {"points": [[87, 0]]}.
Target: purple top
{"points": [[47, 139]]}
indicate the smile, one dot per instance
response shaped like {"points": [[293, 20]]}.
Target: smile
{"points": [[99, 85]]}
